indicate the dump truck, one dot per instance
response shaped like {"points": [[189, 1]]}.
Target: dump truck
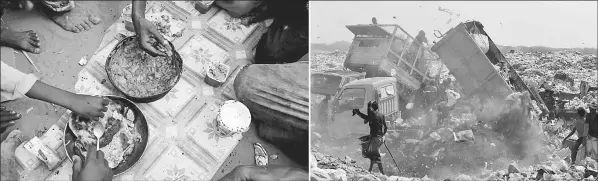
{"points": [[395, 66], [470, 55]]}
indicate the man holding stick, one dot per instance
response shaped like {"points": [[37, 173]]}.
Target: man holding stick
{"points": [[374, 141]]}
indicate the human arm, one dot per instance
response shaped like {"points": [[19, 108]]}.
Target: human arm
{"points": [[146, 30], [85, 105], [16, 84], [8, 117], [94, 168], [361, 115], [570, 134]]}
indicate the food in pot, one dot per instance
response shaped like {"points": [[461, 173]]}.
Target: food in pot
{"points": [[139, 74], [233, 117], [119, 138], [167, 24], [218, 72]]}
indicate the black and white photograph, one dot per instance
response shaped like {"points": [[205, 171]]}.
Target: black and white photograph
{"points": [[446, 90], [154, 90]]}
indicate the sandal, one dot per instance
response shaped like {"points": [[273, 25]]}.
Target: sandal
{"points": [[261, 156]]}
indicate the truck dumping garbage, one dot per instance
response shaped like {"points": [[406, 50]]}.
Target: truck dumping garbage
{"points": [[503, 139]]}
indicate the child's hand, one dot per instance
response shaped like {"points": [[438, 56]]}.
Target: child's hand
{"points": [[8, 117], [91, 106]]}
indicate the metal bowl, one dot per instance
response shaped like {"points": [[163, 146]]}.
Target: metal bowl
{"points": [[176, 58], [138, 150]]}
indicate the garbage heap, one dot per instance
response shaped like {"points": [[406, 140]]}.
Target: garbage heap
{"points": [[504, 144], [508, 144], [321, 61], [325, 167]]}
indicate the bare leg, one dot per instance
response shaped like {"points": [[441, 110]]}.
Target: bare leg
{"points": [[8, 148], [81, 18], [381, 168], [27, 40]]}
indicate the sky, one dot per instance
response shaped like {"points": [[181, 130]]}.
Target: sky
{"points": [[536, 23]]}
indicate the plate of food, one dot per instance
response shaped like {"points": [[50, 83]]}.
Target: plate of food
{"points": [[124, 140], [140, 76]]}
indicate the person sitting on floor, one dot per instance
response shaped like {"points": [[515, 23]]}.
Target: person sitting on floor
{"points": [[95, 167], [16, 84], [63, 13], [286, 40]]}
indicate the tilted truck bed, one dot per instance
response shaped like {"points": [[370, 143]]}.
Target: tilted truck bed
{"points": [[474, 68]]}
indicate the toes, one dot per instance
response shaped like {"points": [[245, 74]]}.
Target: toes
{"points": [[95, 20], [30, 48], [85, 26], [35, 43], [74, 28], [78, 26], [88, 23], [34, 37]]}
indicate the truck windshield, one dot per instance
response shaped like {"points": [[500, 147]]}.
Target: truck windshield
{"points": [[325, 82], [352, 98]]}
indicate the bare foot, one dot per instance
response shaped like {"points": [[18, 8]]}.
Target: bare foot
{"points": [[27, 40], [81, 18], [7, 148]]}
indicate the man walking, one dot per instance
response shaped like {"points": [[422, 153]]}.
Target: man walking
{"points": [[378, 129]]}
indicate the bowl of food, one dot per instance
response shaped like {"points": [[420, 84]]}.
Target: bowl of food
{"points": [[216, 74], [124, 140], [59, 5], [140, 76], [233, 118]]}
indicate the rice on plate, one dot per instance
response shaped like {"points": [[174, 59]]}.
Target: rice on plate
{"points": [[120, 135]]}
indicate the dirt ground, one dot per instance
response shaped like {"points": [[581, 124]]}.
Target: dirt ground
{"points": [[58, 63]]}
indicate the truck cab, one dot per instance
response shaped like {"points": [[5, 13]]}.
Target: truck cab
{"points": [[327, 84], [356, 95]]}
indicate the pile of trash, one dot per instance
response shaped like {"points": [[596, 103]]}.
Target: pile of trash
{"points": [[320, 61], [536, 67], [508, 144], [324, 168]]}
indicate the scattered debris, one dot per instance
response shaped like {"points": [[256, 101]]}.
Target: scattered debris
{"points": [[28, 110], [274, 156], [509, 137], [83, 60]]}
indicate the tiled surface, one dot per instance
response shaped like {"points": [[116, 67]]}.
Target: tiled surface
{"points": [[181, 123], [230, 28], [200, 51]]}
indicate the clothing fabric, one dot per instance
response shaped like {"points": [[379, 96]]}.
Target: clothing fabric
{"points": [[14, 83], [581, 127], [282, 44], [575, 148], [592, 121], [370, 147], [376, 122], [592, 147]]}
